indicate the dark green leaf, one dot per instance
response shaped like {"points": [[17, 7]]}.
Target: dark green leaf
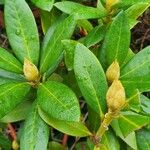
{"points": [[81, 11], [48, 18], [5, 143], [35, 132], [9, 62], [95, 36], [143, 141], [52, 50], [12, 94], [130, 121], [44, 4], [21, 30], [17, 114], [56, 146], [117, 41], [10, 75], [136, 73], [69, 127], [58, 101], [91, 78], [145, 104]]}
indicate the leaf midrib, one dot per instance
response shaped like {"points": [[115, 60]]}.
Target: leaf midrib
{"points": [[16, 85]]}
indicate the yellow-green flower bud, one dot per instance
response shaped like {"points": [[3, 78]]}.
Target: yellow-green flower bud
{"points": [[30, 71], [110, 3], [15, 145], [113, 72], [115, 96]]}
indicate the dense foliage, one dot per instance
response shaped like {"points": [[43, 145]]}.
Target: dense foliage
{"points": [[81, 78]]}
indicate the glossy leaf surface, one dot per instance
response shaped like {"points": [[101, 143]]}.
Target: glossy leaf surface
{"points": [[9, 62], [52, 51], [81, 11], [91, 78], [11, 94], [22, 30], [69, 127], [44, 4], [58, 101], [136, 73], [117, 41], [35, 133]]}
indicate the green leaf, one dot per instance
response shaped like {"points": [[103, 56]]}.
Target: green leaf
{"points": [[17, 114], [130, 139], [5, 143], [91, 78], [9, 62], [130, 121], [145, 104], [96, 35], [69, 47], [143, 141], [129, 56], [44, 4], [81, 11], [11, 95], [135, 74], [35, 134], [135, 11], [56, 146], [68, 127], [52, 50], [10, 75], [58, 101], [48, 18], [128, 3], [110, 141], [117, 41], [22, 30]]}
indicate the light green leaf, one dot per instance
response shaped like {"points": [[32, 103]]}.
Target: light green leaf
{"points": [[117, 41], [81, 11], [22, 30], [130, 139], [44, 4], [143, 141], [135, 11], [110, 141], [52, 51], [135, 74], [35, 134], [9, 62], [17, 114], [11, 95], [130, 121], [10, 75], [91, 78], [58, 101], [68, 127]]}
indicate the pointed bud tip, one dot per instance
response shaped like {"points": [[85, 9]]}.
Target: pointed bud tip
{"points": [[113, 72], [30, 70]]}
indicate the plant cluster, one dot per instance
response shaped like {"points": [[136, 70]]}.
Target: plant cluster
{"points": [[43, 82]]}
